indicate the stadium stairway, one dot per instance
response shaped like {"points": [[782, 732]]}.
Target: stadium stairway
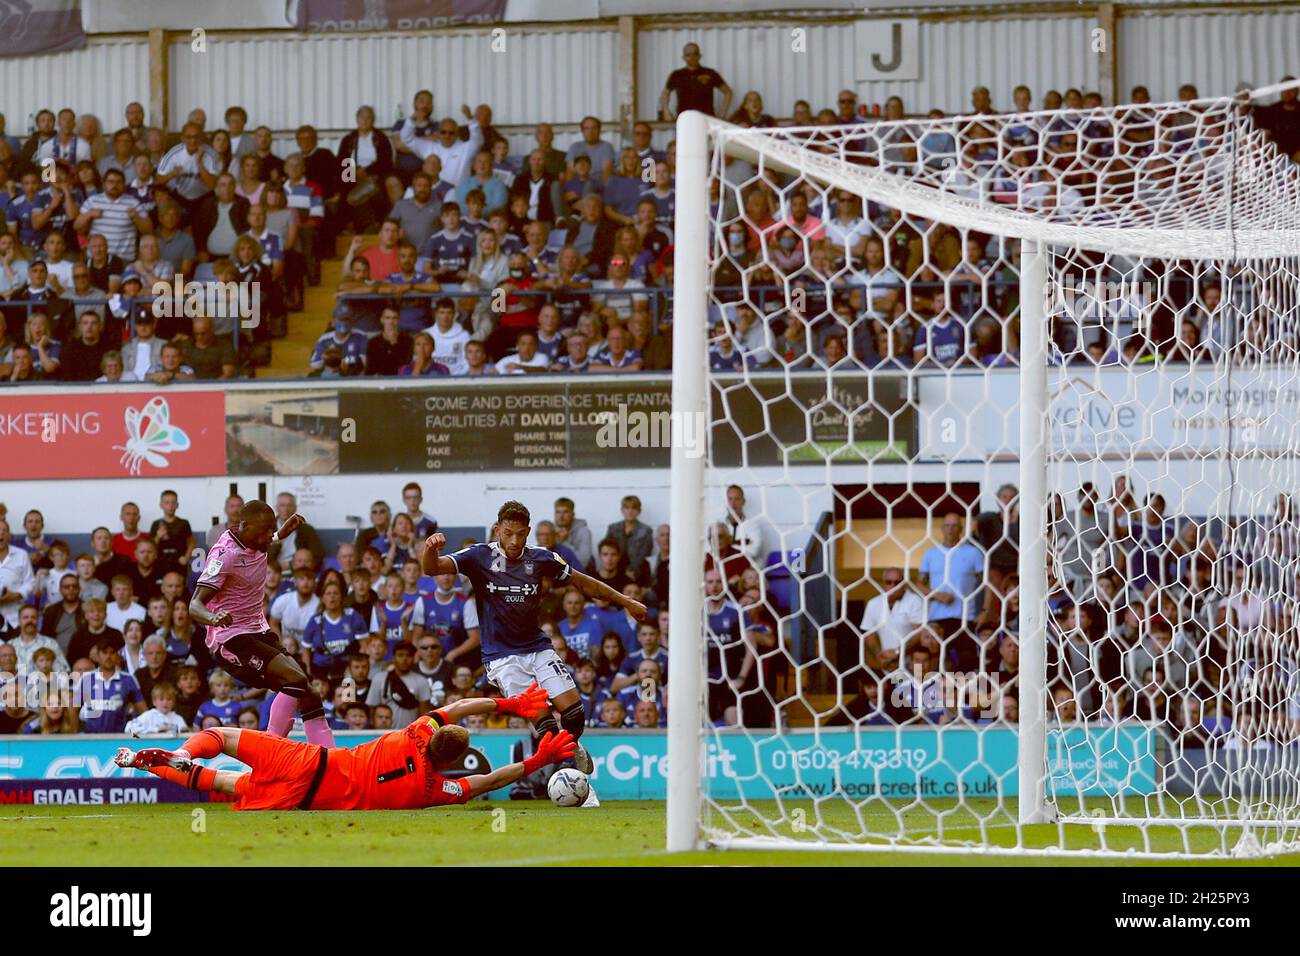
{"points": [[290, 355]]}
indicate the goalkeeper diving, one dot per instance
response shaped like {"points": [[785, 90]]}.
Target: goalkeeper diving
{"points": [[402, 770]]}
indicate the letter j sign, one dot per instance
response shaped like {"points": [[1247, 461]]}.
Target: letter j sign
{"points": [[888, 49]]}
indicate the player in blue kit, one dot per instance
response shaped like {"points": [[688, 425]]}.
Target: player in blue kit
{"points": [[507, 577]]}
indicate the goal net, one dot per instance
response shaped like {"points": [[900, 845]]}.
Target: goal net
{"points": [[996, 519]]}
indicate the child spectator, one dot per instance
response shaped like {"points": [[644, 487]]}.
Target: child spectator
{"points": [[49, 579], [222, 705], [248, 718], [162, 720], [190, 695], [356, 717]]}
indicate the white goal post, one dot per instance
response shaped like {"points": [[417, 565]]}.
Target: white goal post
{"points": [[1053, 283]]}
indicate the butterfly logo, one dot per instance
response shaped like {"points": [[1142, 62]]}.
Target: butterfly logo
{"points": [[150, 436]]}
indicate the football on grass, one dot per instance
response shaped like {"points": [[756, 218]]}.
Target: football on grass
{"points": [[568, 788]]}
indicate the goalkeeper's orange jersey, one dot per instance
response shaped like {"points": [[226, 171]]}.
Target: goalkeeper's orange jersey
{"points": [[393, 772]]}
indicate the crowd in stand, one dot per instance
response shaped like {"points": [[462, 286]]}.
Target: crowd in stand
{"points": [[484, 262], [102, 641], [1152, 616]]}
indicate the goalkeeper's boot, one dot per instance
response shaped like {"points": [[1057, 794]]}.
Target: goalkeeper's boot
{"points": [[592, 800], [153, 757], [582, 760]]}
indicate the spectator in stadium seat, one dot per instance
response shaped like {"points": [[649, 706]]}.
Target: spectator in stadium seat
{"points": [[388, 351], [116, 215], [306, 200], [43, 350], [29, 640], [170, 367], [422, 362], [81, 355], [448, 252], [599, 152], [176, 244], [454, 153], [449, 336], [144, 350], [189, 170], [617, 356], [623, 190], [13, 267], [210, 357], [577, 357], [17, 578], [366, 153], [693, 86], [422, 127], [249, 183], [553, 159], [476, 360], [417, 215], [39, 293], [539, 185], [940, 342], [951, 575], [634, 538], [661, 192], [352, 344], [578, 185], [63, 618], [412, 287], [491, 269], [107, 695], [525, 358], [481, 177], [592, 236]]}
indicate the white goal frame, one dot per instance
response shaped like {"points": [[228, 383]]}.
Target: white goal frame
{"points": [[691, 397]]}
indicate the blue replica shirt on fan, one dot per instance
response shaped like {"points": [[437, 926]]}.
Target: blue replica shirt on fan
{"points": [[332, 639], [941, 342], [629, 696], [633, 661], [508, 595], [725, 625], [584, 637], [449, 622], [388, 621], [103, 701], [20, 211], [615, 619], [445, 255], [227, 713]]}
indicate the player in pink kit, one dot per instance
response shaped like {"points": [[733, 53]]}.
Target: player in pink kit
{"points": [[228, 601]]}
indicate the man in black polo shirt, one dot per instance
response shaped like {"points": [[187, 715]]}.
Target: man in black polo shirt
{"points": [[209, 355], [694, 86], [81, 355], [391, 348]]}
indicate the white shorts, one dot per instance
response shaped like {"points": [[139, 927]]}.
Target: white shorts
{"points": [[514, 674]]}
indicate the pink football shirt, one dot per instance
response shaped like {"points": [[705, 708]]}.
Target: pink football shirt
{"points": [[239, 575]]}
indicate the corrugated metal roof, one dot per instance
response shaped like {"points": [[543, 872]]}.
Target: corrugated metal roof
{"points": [[1215, 52], [557, 75], [99, 79], [956, 56]]}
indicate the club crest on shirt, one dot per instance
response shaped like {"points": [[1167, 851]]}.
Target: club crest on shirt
{"points": [[528, 567], [255, 662]]}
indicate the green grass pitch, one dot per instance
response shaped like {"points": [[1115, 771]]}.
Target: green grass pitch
{"points": [[525, 834]]}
